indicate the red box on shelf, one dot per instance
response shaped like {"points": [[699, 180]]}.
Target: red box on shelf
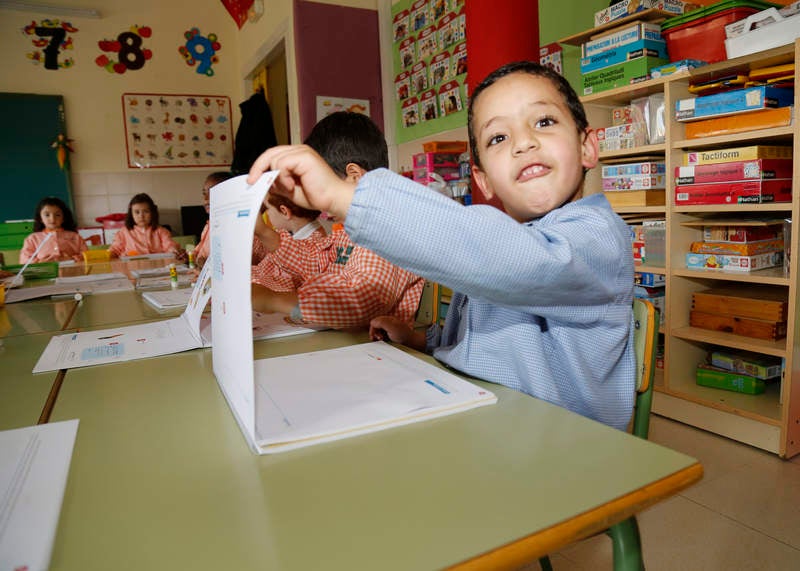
{"points": [[742, 192], [700, 34]]}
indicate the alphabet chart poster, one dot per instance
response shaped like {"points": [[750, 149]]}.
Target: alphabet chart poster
{"points": [[163, 131]]}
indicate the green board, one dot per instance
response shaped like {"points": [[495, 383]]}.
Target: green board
{"points": [[29, 168]]}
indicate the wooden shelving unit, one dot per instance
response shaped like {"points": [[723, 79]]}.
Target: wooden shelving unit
{"points": [[770, 421]]}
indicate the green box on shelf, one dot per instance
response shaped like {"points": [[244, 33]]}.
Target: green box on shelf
{"points": [[625, 73], [709, 376], [40, 271], [13, 234]]}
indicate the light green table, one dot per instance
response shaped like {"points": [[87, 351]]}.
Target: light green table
{"points": [[117, 308], [162, 478], [35, 316], [22, 394]]}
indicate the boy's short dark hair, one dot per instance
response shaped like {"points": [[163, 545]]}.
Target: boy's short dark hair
{"points": [[142, 198], [278, 200], [346, 137], [532, 68], [68, 222], [220, 176]]}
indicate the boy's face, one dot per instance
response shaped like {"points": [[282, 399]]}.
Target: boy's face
{"points": [[532, 154], [141, 214], [52, 217], [207, 194]]}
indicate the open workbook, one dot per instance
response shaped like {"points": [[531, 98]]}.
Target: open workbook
{"points": [[298, 400]]}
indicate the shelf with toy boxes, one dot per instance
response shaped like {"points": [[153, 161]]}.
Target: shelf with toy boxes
{"points": [[634, 183], [741, 175]]}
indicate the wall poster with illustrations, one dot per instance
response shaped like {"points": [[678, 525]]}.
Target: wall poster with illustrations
{"points": [[430, 65], [164, 130]]}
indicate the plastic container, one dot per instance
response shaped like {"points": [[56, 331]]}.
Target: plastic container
{"points": [[700, 34]]}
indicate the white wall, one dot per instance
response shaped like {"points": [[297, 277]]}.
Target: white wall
{"points": [[102, 182]]}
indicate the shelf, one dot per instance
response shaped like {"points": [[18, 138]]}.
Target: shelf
{"points": [[738, 208], [650, 269], [773, 136], [743, 65], [623, 95], [640, 209], [651, 15], [765, 407], [775, 348], [768, 276], [644, 150]]}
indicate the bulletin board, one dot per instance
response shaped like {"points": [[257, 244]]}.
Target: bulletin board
{"points": [[167, 130], [430, 64]]}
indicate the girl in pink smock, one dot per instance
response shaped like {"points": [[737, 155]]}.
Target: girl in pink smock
{"points": [[142, 233], [55, 235]]}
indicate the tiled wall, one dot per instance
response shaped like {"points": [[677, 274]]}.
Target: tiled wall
{"points": [[100, 193]]}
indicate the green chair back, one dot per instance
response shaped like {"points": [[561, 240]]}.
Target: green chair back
{"points": [[645, 341]]}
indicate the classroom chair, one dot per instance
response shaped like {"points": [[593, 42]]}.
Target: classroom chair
{"points": [[10, 257], [625, 535]]}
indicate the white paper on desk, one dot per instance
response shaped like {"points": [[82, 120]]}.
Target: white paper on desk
{"points": [[139, 341], [300, 400], [109, 285], [309, 398], [34, 463], [265, 326]]}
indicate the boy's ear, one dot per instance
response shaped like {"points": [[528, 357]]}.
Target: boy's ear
{"points": [[283, 209], [353, 172], [589, 149], [482, 182]]}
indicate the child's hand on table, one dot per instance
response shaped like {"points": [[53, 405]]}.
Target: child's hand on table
{"points": [[390, 328]]}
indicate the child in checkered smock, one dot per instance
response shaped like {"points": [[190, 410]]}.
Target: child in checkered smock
{"points": [[545, 290], [355, 283]]}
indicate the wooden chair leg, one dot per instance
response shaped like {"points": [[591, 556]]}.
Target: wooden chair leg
{"points": [[544, 563], [627, 546]]}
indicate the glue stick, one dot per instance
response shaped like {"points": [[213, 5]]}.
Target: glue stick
{"points": [[173, 276], [190, 255]]}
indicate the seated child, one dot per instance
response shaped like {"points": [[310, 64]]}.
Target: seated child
{"points": [[357, 284], [295, 250], [545, 290], [201, 251], [52, 221], [142, 233]]}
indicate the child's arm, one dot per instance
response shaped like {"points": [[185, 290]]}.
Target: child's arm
{"points": [[267, 301], [28, 248], [305, 178], [396, 330]]}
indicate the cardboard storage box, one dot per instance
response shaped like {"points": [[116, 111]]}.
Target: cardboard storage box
{"points": [[733, 263], [740, 123], [748, 363], [709, 376], [628, 7], [634, 182], [621, 198], [757, 169], [734, 101], [622, 36], [628, 52], [738, 192], [737, 154], [620, 74]]}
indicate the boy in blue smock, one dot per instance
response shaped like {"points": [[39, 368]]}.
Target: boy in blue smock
{"points": [[545, 290]]}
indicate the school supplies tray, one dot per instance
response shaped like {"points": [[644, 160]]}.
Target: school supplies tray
{"points": [[37, 271]]}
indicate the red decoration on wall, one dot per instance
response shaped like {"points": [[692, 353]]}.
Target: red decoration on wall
{"points": [[238, 10]]}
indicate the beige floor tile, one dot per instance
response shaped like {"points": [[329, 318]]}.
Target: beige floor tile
{"points": [[717, 454], [764, 496], [679, 534]]}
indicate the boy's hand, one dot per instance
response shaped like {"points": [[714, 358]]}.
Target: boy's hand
{"points": [[305, 178], [396, 330]]}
